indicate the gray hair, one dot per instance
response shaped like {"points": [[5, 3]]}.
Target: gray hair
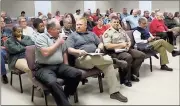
{"points": [[142, 19], [52, 24]]}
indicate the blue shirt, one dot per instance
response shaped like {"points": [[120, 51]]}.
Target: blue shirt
{"points": [[124, 16], [133, 21]]}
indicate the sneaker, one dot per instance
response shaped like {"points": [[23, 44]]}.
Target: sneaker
{"points": [[165, 67], [118, 96], [134, 78], [4, 79]]}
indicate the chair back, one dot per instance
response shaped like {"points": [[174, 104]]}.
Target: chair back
{"points": [[130, 34], [30, 56]]}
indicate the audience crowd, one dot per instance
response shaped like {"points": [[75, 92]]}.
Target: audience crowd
{"points": [[59, 36]]}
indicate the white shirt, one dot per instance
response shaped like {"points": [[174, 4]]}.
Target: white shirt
{"points": [[28, 31], [76, 16], [137, 37]]}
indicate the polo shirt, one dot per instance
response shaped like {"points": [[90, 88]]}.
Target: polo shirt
{"points": [[100, 32], [46, 40]]}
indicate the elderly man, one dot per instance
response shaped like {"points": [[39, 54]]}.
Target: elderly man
{"points": [[141, 35], [51, 63], [115, 38], [124, 13], [28, 31], [170, 22], [158, 28], [6, 18], [49, 17], [146, 15], [132, 19], [82, 44]]}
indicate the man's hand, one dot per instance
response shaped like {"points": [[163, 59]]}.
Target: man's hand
{"points": [[150, 39], [169, 30], [82, 52], [97, 50], [60, 40], [124, 44]]}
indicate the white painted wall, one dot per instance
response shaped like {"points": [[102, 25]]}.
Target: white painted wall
{"points": [[42, 6], [126, 4]]}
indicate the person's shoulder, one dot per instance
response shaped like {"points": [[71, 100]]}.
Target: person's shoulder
{"points": [[42, 36], [109, 30]]}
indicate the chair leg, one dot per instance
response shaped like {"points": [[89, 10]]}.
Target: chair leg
{"points": [[76, 100], [100, 83], [11, 78], [151, 64], [20, 83], [32, 96], [45, 98]]}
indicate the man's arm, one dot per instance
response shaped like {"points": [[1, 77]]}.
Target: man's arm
{"points": [[107, 42], [46, 51], [137, 37], [65, 58]]}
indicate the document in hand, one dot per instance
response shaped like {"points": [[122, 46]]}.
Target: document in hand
{"points": [[120, 50], [93, 54]]}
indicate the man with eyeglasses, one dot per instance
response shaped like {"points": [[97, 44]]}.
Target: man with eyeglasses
{"points": [[141, 35]]}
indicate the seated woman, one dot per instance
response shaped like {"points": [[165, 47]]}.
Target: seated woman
{"points": [[15, 47], [100, 28]]}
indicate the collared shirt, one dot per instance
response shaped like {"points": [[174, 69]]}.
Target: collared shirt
{"points": [[137, 36], [66, 32], [46, 40], [34, 36], [124, 16], [115, 37], [133, 20], [84, 41], [28, 31]]}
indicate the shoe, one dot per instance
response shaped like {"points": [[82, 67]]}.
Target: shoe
{"points": [[165, 67], [4, 79], [127, 83], [134, 78], [175, 53], [118, 96]]}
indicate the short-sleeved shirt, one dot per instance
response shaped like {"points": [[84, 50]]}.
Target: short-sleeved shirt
{"points": [[46, 40], [87, 41], [113, 36]]}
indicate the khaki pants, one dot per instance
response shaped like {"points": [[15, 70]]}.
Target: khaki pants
{"points": [[104, 63], [161, 46], [22, 65]]}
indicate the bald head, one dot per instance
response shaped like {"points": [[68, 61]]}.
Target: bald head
{"points": [[135, 12], [3, 14], [2, 23], [53, 28]]}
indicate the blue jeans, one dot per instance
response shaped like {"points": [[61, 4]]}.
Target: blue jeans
{"points": [[3, 68]]}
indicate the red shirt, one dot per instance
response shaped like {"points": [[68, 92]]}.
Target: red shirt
{"points": [[100, 32], [157, 26]]}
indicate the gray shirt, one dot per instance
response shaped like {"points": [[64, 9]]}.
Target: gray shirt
{"points": [[46, 40], [84, 41]]}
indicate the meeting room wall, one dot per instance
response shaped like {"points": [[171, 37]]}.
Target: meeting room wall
{"points": [[104, 5], [67, 6], [169, 6], [126, 4], [14, 8]]}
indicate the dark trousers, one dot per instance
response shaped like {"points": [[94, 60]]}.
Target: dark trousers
{"points": [[169, 36], [48, 74], [3, 57], [134, 58]]}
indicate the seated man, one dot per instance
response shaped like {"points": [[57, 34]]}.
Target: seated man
{"points": [[50, 53], [6, 18], [80, 43], [116, 38], [147, 16], [158, 28], [16, 46], [67, 28], [141, 35], [5, 33], [132, 19], [38, 28]]}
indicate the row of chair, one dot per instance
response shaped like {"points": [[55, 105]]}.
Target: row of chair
{"points": [[30, 56]]}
